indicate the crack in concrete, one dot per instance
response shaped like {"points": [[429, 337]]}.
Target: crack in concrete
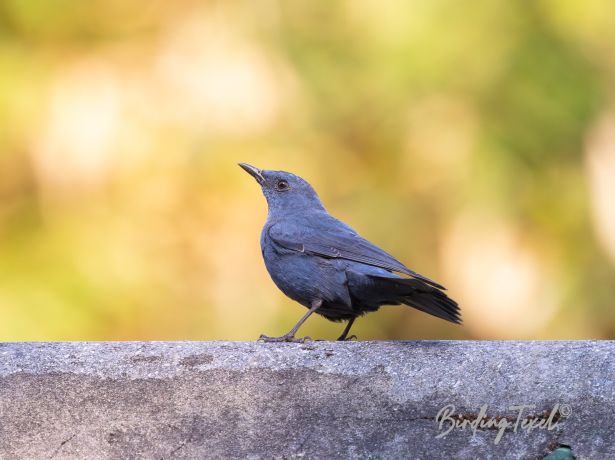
{"points": [[62, 444]]}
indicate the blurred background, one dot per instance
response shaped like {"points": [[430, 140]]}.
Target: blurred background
{"points": [[477, 144]]}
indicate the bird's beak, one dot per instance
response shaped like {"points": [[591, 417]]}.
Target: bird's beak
{"points": [[253, 171]]}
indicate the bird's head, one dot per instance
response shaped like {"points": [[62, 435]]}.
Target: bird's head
{"points": [[284, 191]]}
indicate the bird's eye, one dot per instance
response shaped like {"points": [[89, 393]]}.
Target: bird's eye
{"points": [[282, 185]]}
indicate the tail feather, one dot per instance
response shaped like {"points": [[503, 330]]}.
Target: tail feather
{"points": [[441, 308], [417, 294]]}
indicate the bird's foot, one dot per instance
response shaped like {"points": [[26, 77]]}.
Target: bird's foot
{"points": [[347, 339], [285, 338]]}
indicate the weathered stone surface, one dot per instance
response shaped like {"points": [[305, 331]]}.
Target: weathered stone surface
{"points": [[317, 400]]}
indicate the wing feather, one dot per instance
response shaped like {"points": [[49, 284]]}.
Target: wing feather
{"points": [[342, 243]]}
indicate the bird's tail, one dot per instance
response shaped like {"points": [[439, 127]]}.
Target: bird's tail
{"points": [[418, 294]]}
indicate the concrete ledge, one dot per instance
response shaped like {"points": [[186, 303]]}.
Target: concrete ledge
{"points": [[317, 400]]}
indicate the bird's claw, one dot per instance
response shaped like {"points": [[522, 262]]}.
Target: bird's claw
{"points": [[284, 338], [348, 339]]}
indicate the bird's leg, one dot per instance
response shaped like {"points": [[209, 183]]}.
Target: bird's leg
{"points": [[342, 338], [290, 336]]}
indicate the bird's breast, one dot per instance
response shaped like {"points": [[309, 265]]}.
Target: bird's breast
{"points": [[304, 277]]}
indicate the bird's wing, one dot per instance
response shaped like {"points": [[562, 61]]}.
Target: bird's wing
{"points": [[338, 242]]}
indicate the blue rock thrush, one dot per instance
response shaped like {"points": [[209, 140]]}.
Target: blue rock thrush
{"points": [[322, 263]]}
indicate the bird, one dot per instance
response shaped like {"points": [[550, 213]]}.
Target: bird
{"points": [[326, 266]]}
